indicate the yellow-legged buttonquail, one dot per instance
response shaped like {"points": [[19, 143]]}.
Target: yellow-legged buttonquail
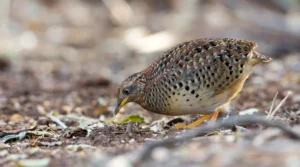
{"points": [[195, 77]]}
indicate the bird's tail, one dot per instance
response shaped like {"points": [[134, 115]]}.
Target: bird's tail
{"points": [[258, 58], [261, 57]]}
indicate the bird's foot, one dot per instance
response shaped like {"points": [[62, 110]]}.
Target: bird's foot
{"points": [[200, 120], [193, 124]]}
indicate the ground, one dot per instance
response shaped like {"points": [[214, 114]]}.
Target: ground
{"points": [[57, 94]]}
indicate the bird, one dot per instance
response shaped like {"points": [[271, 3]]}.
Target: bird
{"points": [[195, 77]]}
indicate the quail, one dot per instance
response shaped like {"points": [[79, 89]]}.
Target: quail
{"points": [[195, 77]]}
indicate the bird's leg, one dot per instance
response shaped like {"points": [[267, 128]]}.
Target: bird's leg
{"points": [[199, 121], [195, 123], [215, 115]]}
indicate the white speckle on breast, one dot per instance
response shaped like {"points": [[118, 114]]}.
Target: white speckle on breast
{"points": [[200, 102]]}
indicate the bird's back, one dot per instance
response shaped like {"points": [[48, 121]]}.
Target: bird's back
{"points": [[199, 75]]}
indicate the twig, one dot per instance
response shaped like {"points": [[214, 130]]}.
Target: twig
{"points": [[211, 127], [15, 132], [57, 121]]}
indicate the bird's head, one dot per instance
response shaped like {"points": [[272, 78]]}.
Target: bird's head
{"points": [[131, 90]]}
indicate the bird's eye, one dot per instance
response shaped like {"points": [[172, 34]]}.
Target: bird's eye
{"points": [[126, 91]]}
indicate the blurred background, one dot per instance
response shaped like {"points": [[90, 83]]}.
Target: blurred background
{"points": [[71, 55]]}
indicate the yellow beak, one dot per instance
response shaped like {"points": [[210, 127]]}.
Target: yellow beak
{"points": [[120, 104]]}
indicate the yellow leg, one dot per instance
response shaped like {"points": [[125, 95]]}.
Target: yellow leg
{"points": [[199, 121], [195, 123], [214, 116]]}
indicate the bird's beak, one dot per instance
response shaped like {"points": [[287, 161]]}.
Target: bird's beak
{"points": [[120, 104]]}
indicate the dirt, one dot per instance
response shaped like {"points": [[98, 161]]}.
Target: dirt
{"points": [[23, 107]]}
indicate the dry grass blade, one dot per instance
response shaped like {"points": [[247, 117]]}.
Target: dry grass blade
{"points": [[272, 105], [272, 113]]}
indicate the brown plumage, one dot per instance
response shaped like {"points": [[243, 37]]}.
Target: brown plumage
{"points": [[195, 77]]}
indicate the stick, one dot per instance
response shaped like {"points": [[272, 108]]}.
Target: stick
{"points": [[211, 127], [15, 132], [57, 121]]}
